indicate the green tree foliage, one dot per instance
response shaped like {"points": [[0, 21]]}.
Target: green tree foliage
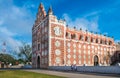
{"points": [[6, 58], [25, 51]]}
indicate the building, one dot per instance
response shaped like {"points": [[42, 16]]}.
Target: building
{"points": [[55, 44], [118, 52], [116, 56]]}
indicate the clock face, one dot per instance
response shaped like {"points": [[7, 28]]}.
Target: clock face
{"points": [[57, 31]]}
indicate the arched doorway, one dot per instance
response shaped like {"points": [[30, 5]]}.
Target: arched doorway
{"points": [[38, 62], [96, 60]]}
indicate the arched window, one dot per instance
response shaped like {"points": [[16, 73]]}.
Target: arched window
{"points": [[91, 39], [73, 36], [100, 41], [110, 42], [66, 34], [86, 38], [96, 40], [105, 42], [81, 37]]}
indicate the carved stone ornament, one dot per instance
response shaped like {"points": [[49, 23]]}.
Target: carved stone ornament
{"points": [[57, 52], [57, 60], [57, 44], [57, 31]]}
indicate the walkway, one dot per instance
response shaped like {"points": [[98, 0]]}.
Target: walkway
{"points": [[75, 74]]}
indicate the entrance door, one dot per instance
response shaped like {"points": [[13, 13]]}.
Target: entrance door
{"points": [[96, 60], [38, 62]]}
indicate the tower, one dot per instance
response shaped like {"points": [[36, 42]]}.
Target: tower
{"points": [[4, 47], [45, 39]]}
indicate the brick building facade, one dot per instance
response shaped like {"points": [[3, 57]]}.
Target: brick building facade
{"points": [[55, 44]]}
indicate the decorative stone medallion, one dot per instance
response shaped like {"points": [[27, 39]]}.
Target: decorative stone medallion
{"points": [[84, 62], [74, 56], [74, 50], [69, 62], [95, 48], [84, 57], [88, 62], [84, 46], [68, 44], [84, 52], [88, 51], [57, 60], [57, 52], [79, 51], [79, 61], [68, 50], [88, 57], [79, 56], [69, 56], [74, 62], [57, 44], [98, 47], [79, 46], [74, 45], [88, 47]]}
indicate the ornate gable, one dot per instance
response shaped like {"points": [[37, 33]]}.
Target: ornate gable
{"points": [[41, 14]]}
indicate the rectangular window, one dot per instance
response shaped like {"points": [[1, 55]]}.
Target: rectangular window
{"points": [[38, 46]]}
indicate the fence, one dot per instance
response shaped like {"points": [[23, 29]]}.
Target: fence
{"points": [[92, 69]]}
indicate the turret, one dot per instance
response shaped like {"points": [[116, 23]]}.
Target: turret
{"points": [[50, 12]]}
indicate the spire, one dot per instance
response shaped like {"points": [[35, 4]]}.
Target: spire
{"points": [[41, 10], [50, 12], [41, 5]]}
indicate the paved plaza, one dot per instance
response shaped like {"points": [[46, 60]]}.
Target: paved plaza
{"points": [[75, 74]]}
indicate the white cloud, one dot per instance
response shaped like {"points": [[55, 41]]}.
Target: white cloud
{"points": [[6, 32], [14, 44], [84, 23], [94, 13], [15, 21], [7, 36]]}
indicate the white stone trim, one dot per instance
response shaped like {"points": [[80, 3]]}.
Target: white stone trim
{"points": [[35, 28], [57, 38], [49, 46], [65, 45], [58, 23]]}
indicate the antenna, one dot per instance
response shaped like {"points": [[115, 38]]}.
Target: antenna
{"points": [[4, 47]]}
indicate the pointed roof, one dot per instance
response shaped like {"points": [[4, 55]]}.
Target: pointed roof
{"points": [[41, 5], [50, 12], [41, 10]]}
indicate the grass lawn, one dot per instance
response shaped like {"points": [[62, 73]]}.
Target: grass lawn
{"points": [[24, 74]]}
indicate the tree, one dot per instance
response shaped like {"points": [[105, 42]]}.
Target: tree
{"points": [[25, 51], [6, 58]]}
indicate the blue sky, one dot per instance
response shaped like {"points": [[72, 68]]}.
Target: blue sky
{"points": [[17, 17]]}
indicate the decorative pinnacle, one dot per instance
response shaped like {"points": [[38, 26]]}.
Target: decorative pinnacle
{"points": [[50, 12]]}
